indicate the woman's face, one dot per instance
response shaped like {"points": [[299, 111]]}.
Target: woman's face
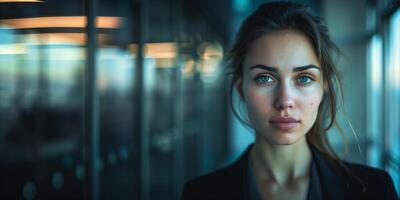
{"points": [[282, 86]]}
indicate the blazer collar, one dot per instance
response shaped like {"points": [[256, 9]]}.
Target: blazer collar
{"points": [[335, 183], [236, 177]]}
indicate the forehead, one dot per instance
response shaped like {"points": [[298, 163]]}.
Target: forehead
{"points": [[282, 49]]}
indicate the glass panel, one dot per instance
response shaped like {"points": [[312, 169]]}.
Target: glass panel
{"points": [[393, 99], [185, 97], [118, 99], [42, 60], [374, 102], [177, 114]]}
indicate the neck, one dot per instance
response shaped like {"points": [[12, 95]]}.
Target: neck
{"points": [[281, 164]]}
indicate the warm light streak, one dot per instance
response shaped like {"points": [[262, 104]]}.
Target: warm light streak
{"points": [[62, 38], [157, 50], [60, 22], [160, 50], [21, 1]]}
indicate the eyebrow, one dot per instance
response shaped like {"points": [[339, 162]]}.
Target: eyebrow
{"points": [[273, 69]]}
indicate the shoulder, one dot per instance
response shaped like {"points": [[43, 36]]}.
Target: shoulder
{"points": [[207, 186], [375, 181], [215, 185], [345, 180], [366, 173], [229, 182]]}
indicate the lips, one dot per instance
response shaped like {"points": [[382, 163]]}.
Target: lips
{"points": [[284, 123]]}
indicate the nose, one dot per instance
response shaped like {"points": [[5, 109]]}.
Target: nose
{"points": [[284, 98]]}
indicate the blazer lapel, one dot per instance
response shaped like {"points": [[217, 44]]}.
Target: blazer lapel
{"points": [[334, 185], [314, 190], [236, 178]]}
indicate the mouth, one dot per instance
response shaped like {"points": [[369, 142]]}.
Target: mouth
{"points": [[285, 123]]}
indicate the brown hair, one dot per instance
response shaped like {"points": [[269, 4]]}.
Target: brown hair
{"points": [[270, 17]]}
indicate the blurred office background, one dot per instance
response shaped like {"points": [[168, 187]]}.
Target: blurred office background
{"points": [[128, 99]]}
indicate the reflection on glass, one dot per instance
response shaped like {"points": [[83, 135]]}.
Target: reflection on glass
{"points": [[374, 101], [210, 58], [376, 61], [181, 100], [394, 66], [393, 99], [41, 103]]}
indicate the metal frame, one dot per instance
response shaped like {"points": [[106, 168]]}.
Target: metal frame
{"points": [[91, 135]]}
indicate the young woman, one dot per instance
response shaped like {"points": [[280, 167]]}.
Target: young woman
{"points": [[284, 73]]}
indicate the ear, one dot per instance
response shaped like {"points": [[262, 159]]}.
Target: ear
{"points": [[239, 88]]}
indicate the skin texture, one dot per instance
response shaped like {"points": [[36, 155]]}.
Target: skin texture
{"points": [[281, 158]]}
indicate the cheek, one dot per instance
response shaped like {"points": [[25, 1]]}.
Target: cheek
{"points": [[259, 96], [312, 103], [259, 101], [311, 98]]}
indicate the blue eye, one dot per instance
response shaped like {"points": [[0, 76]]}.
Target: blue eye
{"points": [[264, 79], [304, 80]]}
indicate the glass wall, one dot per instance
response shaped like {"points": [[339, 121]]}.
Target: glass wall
{"points": [[392, 98], [42, 59], [384, 93], [130, 114]]}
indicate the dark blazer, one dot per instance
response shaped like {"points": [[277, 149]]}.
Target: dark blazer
{"points": [[233, 182]]}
